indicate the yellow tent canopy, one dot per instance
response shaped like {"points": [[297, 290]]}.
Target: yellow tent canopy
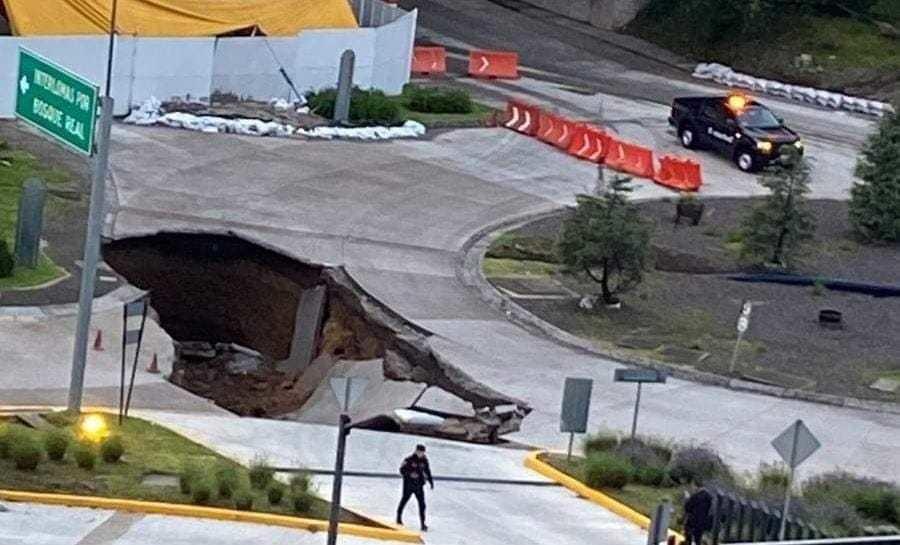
{"points": [[176, 17]]}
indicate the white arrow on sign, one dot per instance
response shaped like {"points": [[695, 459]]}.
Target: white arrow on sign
{"points": [[743, 324], [24, 86], [484, 64]]}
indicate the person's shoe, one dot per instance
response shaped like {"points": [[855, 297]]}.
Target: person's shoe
{"points": [[424, 527], [399, 522]]}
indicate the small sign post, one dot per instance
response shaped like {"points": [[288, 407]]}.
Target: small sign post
{"points": [[575, 407], [742, 324], [347, 390], [794, 445], [640, 376]]}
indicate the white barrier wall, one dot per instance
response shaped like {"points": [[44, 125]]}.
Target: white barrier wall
{"points": [[195, 67]]}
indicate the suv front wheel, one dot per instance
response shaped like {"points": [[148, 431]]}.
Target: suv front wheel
{"points": [[687, 136], [746, 160]]}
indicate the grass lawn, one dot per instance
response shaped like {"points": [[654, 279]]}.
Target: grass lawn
{"points": [[15, 168], [149, 449], [514, 268], [480, 113], [642, 499]]}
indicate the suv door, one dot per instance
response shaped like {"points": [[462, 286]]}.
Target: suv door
{"points": [[716, 129]]}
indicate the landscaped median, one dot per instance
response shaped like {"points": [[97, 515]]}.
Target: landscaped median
{"points": [[90, 461]]}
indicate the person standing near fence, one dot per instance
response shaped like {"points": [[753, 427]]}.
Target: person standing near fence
{"points": [[415, 471], [697, 517]]}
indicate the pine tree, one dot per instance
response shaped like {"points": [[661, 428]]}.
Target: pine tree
{"points": [[775, 230], [875, 202], [607, 240]]}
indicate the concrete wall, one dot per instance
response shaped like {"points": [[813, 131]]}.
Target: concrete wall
{"points": [[608, 14], [195, 67]]}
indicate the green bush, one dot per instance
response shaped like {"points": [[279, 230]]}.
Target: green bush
{"points": [[10, 434], [650, 476], [435, 100], [26, 453], [227, 480], [607, 470], [698, 465], [870, 498], [189, 474], [111, 449], [600, 442], [301, 502], [875, 201], [243, 500], [526, 248], [260, 474], [56, 443], [85, 455], [645, 453], [7, 263], [773, 477], [201, 490], [366, 107], [275, 493], [301, 482]]}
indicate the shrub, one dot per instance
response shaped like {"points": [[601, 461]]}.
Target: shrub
{"points": [[7, 263], [56, 443], [201, 490], [875, 201], [10, 434], [301, 502], [275, 493], [600, 442], [366, 107], [111, 449], [773, 477], [227, 480], [260, 474], [190, 473], [645, 453], [26, 453], [301, 482], [870, 498], [243, 500], [697, 465], [650, 476], [438, 101], [85, 455], [607, 470]]}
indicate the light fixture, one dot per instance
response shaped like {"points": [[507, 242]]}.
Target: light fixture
{"points": [[93, 427]]}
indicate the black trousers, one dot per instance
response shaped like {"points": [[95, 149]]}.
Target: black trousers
{"points": [[693, 536], [412, 489]]}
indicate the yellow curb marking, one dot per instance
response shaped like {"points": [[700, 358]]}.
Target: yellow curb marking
{"points": [[533, 462], [214, 513]]}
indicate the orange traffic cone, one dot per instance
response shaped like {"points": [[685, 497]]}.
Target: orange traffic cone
{"points": [[154, 365], [98, 341]]}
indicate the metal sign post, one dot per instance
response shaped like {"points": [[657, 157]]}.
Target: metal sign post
{"points": [[131, 336], [640, 376], [742, 324], [794, 445], [575, 407], [347, 390]]}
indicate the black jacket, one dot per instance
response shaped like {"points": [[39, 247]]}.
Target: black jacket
{"points": [[697, 510], [416, 471]]}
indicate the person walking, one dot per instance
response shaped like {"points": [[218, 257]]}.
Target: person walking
{"points": [[697, 519], [415, 471]]}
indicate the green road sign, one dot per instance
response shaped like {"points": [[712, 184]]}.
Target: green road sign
{"points": [[56, 101]]}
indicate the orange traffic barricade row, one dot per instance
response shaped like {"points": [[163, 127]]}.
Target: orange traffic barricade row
{"points": [[567, 130], [429, 60], [493, 64], [522, 117], [589, 143], [679, 174], [549, 127], [630, 158]]}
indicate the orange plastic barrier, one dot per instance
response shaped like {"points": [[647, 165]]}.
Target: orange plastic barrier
{"points": [[493, 64], [630, 158], [679, 174], [589, 143], [567, 130], [549, 127], [429, 60], [522, 117]]}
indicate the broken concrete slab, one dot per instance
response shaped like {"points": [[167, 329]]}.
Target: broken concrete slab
{"points": [[888, 385]]}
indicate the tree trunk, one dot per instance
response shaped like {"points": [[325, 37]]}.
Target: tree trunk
{"points": [[604, 284]]}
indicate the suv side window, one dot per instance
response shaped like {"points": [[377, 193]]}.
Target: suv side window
{"points": [[713, 111]]}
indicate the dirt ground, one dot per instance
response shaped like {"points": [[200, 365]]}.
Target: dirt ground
{"points": [[689, 318]]}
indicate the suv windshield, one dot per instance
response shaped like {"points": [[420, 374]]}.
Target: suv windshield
{"points": [[757, 117]]}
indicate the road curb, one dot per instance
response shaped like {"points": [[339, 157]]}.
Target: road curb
{"points": [[385, 532], [534, 463], [471, 273]]}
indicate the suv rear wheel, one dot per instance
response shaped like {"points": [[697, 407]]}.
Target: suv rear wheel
{"points": [[745, 160], [687, 136]]}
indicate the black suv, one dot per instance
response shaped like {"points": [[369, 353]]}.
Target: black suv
{"points": [[748, 132]]}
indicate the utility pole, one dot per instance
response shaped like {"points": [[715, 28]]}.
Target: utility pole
{"points": [[94, 230]]}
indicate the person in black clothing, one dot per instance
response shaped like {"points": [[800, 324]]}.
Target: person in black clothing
{"points": [[697, 519], [415, 471]]}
